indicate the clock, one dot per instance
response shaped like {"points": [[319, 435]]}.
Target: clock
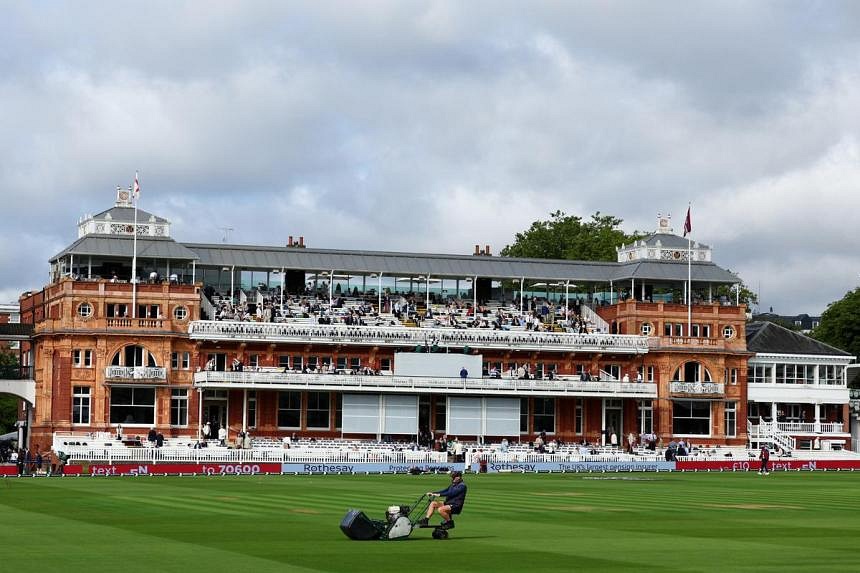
{"points": [[123, 195]]}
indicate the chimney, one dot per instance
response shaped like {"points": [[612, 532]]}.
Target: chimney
{"points": [[477, 250], [487, 251], [302, 241], [290, 241]]}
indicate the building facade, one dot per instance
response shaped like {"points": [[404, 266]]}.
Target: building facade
{"points": [[367, 344]]}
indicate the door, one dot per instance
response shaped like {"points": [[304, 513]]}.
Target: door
{"points": [[612, 421]]}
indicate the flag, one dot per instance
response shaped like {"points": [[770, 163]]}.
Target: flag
{"points": [[136, 191], [688, 225]]}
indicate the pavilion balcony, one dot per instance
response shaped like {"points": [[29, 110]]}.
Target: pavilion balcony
{"points": [[405, 336], [143, 323], [135, 373], [422, 385], [689, 342]]}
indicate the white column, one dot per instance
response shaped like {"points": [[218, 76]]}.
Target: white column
{"points": [[379, 295], [773, 412], [199, 412], [522, 284], [193, 272], [817, 424]]}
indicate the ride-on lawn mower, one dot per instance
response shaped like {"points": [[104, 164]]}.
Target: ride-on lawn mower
{"points": [[398, 524]]}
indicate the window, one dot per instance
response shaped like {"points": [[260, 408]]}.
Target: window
{"points": [[385, 364], [679, 329], [116, 310], [179, 407], [728, 332], [691, 418], [180, 360], [646, 329], [338, 412], [134, 406], [85, 310], [81, 405], [613, 370], [283, 361], [830, 374], [706, 331], [646, 417], [694, 330], [82, 358], [252, 408], [313, 362], [524, 415], [650, 374], [148, 311], [354, 363], [341, 362], [133, 356], [318, 410], [731, 419], [254, 360], [760, 374], [180, 312], [692, 372], [667, 329], [297, 362], [795, 374], [544, 417], [578, 422], [730, 376], [289, 409]]}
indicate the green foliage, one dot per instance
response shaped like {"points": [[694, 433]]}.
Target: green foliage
{"points": [[840, 323], [747, 296], [565, 236]]}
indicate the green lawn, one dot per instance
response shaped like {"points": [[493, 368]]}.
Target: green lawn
{"points": [[549, 522]]}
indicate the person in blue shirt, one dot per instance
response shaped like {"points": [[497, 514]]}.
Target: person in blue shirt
{"points": [[455, 497]]}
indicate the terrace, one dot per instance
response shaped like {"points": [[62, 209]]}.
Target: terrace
{"points": [[405, 336], [423, 385]]}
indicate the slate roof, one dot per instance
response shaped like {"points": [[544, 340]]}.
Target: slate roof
{"points": [[669, 241], [126, 215], [15, 331], [770, 338], [448, 265], [123, 246]]}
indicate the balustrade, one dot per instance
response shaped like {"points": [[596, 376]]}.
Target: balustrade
{"points": [[336, 334]]}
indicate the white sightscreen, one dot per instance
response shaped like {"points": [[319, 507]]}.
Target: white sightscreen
{"points": [[464, 416], [401, 414], [501, 416], [360, 414], [437, 365]]}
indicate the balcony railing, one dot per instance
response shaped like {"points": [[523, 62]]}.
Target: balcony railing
{"points": [[16, 373], [811, 427], [135, 322], [404, 336], [686, 342], [299, 381], [135, 373], [696, 388]]}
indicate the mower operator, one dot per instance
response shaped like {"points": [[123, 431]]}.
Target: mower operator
{"points": [[455, 497]]}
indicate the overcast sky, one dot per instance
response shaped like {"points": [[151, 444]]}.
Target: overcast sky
{"points": [[433, 126]]}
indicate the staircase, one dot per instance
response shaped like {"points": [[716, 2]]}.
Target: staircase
{"points": [[594, 318], [768, 433]]}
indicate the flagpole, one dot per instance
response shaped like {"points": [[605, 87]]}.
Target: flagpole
{"points": [[688, 227], [134, 252]]}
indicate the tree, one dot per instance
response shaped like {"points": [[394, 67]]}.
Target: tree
{"points": [[8, 403], [840, 323], [747, 296], [565, 236]]}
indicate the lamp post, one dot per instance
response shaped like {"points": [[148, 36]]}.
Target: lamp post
{"points": [[378, 291]]}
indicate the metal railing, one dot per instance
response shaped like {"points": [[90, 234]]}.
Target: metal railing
{"points": [[295, 380], [403, 336], [769, 432], [811, 427], [16, 372], [135, 373]]}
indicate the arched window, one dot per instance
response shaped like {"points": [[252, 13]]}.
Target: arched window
{"points": [[133, 355], [692, 372]]}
